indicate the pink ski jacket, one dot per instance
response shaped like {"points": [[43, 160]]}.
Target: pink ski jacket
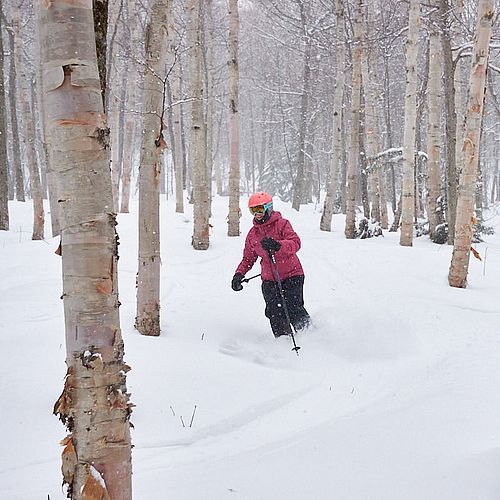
{"points": [[286, 257]]}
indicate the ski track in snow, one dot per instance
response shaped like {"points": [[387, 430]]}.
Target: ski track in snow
{"points": [[397, 382]]}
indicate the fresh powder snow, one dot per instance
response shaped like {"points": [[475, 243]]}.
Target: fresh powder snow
{"points": [[394, 394]]}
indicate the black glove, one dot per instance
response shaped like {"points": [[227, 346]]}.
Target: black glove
{"points": [[236, 283], [268, 244]]}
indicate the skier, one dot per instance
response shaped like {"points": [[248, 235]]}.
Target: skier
{"points": [[271, 233]]}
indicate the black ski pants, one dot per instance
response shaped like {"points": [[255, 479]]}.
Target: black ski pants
{"points": [[294, 299]]}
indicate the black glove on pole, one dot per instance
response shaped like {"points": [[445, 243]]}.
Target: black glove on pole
{"points": [[270, 245], [236, 282]]}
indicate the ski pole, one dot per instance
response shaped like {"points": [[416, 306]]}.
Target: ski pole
{"points": [[282, 294], [246, 280]]}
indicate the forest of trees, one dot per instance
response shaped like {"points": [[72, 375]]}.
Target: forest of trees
{"points": [[387, 111]]}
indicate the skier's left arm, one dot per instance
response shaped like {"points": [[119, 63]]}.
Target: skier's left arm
{"points": [[289, 239]]}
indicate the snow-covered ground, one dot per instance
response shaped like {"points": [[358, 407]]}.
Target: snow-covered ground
{"points": [[394, 396]]}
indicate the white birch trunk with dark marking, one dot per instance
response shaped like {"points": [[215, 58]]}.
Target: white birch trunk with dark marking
{"points": [[300, 180], [209, 58], [94, 404], [338, 98], [459, 267], [434, 128], [197, 149], [128, 151], [451, 117], [233, 219], [28, 135], [353, 165], [116, 168], [17, 167], [408, 187], [4, 175], [173, 78], [371, 132], [147, 319], [132, 119]]}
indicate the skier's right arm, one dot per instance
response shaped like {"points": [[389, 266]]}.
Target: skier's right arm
{"points": [[249, 257]]}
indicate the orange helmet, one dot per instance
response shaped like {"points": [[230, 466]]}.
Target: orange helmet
{"points": [[259, 198]]}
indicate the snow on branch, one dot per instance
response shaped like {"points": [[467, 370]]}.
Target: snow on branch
{"points": [[387, 157]]}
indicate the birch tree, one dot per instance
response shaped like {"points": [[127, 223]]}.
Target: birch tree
{"points": [[459, 267], [132, 119], [4, 166], [451, 118], [353, 166], [24, 79], [233, 224], [333, 177], [16, 167], [408, 188], [371, 132], [434, 122], [175, 97], [94, 404], [147, 320], [210, 101], [197, 150], [300, 181]]}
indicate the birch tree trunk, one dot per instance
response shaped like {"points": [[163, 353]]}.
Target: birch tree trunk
{"points": [[4, 175], [434, 128], [17, 167], [209, 65], [116, 168], [173, 57], [49, 183], [353, 168], [451, 120], [94, 404], [459, 267], [28, 136], [132, 119], [408, 187], [333, 177], [233, 222], [197, 150], [388, 128], [128, 152], [299, 184], [370, 123], [459, 76], [147, 320]]}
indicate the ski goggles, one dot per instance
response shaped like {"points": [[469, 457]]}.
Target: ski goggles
{"points": [[260, 209]]}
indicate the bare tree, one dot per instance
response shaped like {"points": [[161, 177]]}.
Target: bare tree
{"points": [[371, 132], [338, 110], [233, 222], [197, 150], [408, 188], [175, 98], [4, 175], [147, 320], [94, 404], [459, 267], [434, 122], [300, 181], [354, 157], [451, 117], [28, 135], [132, 118], [17, 167]]}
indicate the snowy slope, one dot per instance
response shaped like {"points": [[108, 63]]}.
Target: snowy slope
{"points": [[394, 394]]}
